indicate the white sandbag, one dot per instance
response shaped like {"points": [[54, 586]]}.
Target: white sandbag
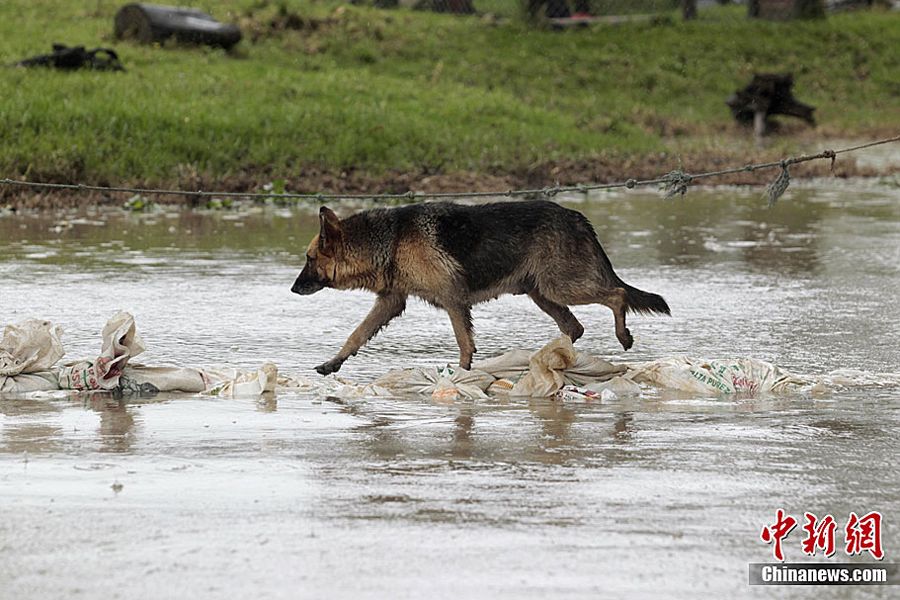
{"points": [[236, 384], [333, 385], [448, 383], [557, 364], [121, 342], [854, 378], [620, 386], [299, 384], [510, 365], [140, 379], [589, 369], [30, 350], [30, 346], [225, 383], [25, 383], [545, 369], [715, 377]]}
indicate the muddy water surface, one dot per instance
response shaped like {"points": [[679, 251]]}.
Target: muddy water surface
{"points": [[305, 496]]}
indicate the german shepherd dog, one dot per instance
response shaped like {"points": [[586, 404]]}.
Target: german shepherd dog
{"points": [[454, 256]]}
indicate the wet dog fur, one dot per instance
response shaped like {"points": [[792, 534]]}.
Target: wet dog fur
{"points": [[454, 256]]}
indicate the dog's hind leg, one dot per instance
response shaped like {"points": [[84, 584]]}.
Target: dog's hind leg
{"points": [[560, 313], [386, 307], [461, 319], [615, 298], [618, 304]]}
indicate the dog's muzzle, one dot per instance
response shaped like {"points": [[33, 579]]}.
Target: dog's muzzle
{"points": [[306, 288], [306, 285]]}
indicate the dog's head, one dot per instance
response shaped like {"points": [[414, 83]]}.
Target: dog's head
{"points": [[322, 256]]}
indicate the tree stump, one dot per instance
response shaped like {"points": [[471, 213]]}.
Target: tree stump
{"points": [[768, 94]]}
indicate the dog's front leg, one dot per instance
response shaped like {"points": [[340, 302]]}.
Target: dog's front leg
{"points": [[387, 306], [461, 319]]}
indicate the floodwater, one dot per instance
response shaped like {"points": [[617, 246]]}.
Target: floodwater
{"points": [[304, 496]]}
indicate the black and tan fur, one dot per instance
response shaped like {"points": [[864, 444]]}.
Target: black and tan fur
{"points": [[454, 256]]}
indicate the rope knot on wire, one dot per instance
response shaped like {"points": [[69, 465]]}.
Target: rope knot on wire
{"points": [[832, 155], [676, 182], [776, 189]]}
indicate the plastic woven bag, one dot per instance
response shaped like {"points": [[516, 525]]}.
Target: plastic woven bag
{"points": [[447, 383]]}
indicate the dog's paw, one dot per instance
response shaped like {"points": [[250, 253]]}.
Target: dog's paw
{"points": [[332, 366], [627, 340], [575, 332]]}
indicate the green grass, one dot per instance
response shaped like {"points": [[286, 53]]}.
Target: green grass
{"points": [[383, 90]]}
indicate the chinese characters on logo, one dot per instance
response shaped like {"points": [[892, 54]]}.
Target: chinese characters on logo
{"points": [[861, 534]]}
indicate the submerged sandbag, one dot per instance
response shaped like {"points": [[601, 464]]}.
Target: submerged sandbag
{"points": [[860, 379], [30, 346], [140, 380], [121, 342], [510, 365], [233, 383], [546, 371], [714, 377], [447, 383], [619, 385], [30, 350], [24, 383]]}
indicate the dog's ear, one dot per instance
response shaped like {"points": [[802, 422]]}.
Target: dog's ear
{"points": [[330, 233]]}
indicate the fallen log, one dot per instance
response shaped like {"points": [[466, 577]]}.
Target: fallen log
{"points": [[152, 23]]}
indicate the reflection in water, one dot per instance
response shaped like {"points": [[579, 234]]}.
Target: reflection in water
{"points": [[463, 446], [20, 407], [267, 403], [116, 422], [25, 426], [536, 430], [40, 426], [32, 438], [555, 420], [622, 428]]}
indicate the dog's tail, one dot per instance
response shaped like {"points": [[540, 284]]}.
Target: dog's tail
{"points": [[644, 302]]}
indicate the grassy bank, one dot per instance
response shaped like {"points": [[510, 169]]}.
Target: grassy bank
{"points": [[371, 91]]}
